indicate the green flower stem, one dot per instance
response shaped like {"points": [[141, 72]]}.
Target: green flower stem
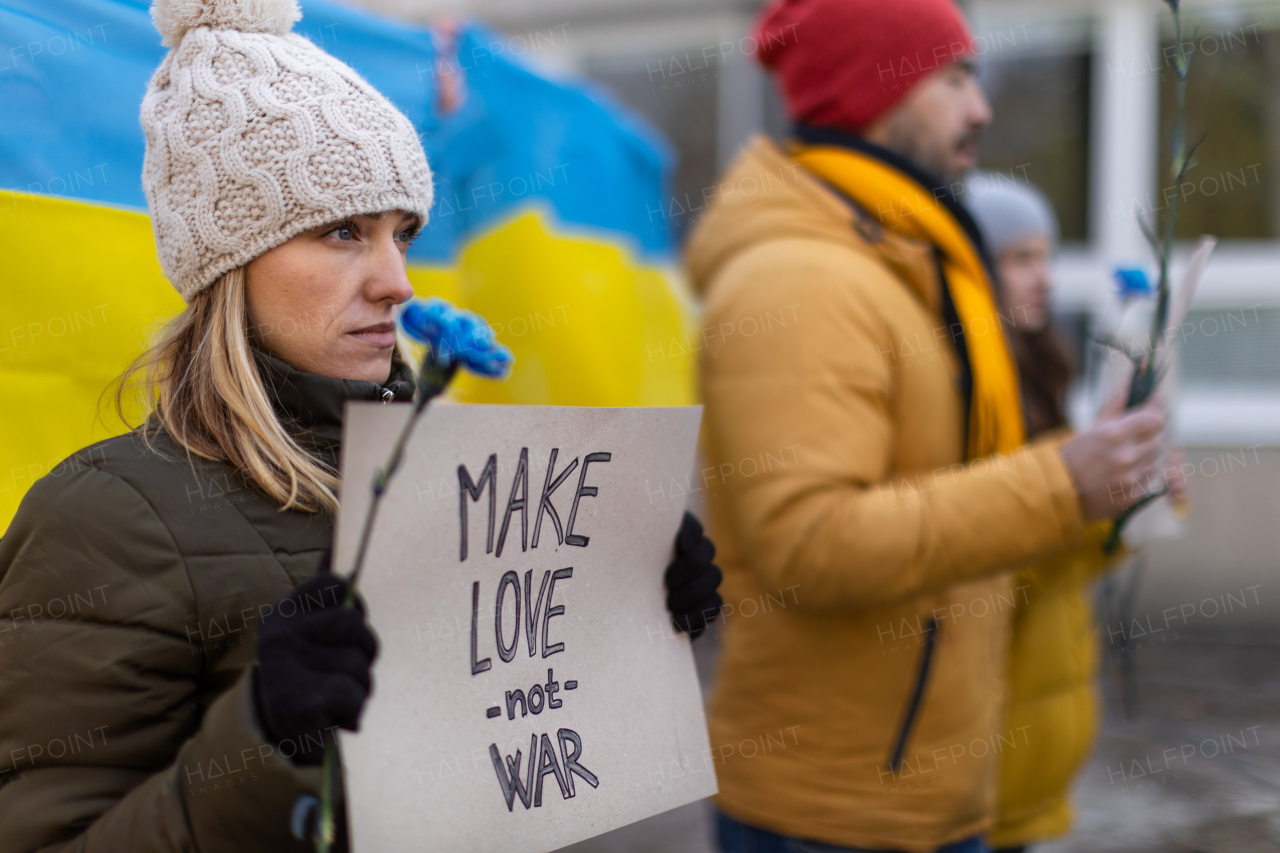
{"points": [[1147, 372], [434, 379]]}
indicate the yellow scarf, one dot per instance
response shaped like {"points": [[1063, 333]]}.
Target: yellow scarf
{"points": [[909, 209]]}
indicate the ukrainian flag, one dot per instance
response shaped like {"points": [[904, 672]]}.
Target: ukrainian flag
{"points": [[542, 222]]}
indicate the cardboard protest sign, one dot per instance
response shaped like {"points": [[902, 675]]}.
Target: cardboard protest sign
{"points": [[530, 690]]}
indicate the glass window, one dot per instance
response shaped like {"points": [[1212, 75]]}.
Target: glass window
{"points": [[1232, 189], [1040, 133], [1231, 347]]}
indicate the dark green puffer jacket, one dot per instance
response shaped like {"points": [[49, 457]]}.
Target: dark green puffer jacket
{"points": [[131, 584]]}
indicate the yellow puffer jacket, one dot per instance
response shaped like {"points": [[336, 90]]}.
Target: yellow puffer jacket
{"points": [[849, 527], [1053, 702]]}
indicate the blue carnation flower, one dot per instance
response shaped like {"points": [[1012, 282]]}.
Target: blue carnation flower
{"points": [[456, 336], [1132, 282]]}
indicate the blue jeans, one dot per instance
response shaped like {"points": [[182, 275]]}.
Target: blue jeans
{"points": [[734, 836]]}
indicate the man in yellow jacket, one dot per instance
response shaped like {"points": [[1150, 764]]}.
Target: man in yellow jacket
{"points": [[869, 483]]}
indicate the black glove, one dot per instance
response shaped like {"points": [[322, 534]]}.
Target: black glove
{"points": [[314, 666], [692, 580]]}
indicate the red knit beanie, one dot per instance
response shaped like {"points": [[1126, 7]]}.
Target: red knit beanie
{"points": [[843, 63]]}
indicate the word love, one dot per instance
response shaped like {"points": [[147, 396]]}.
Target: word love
{"points": [[518, 501], [539, 613]]}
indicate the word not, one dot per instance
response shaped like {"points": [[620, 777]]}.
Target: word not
{"points": [[545, 694]]}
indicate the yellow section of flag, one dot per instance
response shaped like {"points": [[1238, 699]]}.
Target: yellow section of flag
{"points": [[81, 292]]}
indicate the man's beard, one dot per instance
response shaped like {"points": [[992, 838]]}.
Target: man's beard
{"points": [[925, 154]]}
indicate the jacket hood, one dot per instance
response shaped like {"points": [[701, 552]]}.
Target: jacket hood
{"points": [[310, 403], [764, 195]]}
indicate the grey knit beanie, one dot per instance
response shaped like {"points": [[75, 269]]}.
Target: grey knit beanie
{"points": [[1008, 211], [254, 135]]}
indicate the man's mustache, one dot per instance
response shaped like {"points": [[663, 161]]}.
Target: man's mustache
{"points": [[972, 138]]}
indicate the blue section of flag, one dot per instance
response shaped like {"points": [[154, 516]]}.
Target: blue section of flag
{"points": [[73, 73]]}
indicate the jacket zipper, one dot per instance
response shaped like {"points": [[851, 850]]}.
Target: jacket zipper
{"points": [[926, 658]]}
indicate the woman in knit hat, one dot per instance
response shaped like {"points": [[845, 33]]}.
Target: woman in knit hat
{"points": [[1052, 701], [1021, 233], [177, 659]]}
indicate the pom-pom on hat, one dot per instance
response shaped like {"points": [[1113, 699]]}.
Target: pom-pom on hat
{"points": [[254, 135], [174, 17], [843, 63]]}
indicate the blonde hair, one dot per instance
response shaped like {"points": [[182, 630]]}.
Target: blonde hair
{"points": [[199, 383]]}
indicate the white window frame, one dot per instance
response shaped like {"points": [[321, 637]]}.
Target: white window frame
{"points": [[1125, 37]]}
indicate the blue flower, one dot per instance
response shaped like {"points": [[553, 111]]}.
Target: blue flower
{"points": [[456, 336], [1132, 282]]}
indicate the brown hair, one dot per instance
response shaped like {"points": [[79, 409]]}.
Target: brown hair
{"points": [[1045, 369], [199, 383]]}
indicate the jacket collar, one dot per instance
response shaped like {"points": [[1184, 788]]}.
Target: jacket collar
{"points": [[310, 403], [934, 185], [787, 201]]}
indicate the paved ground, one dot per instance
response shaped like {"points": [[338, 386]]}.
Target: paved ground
{"points": [[1197, 771], [1207, 738]]}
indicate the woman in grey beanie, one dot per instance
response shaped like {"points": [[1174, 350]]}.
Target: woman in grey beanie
{"points": [[1020, 230], [1052, 654], [1053, 647], [176, 659]]}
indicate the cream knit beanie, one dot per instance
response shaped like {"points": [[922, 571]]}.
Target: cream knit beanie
{"points": [[255, 135]]}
